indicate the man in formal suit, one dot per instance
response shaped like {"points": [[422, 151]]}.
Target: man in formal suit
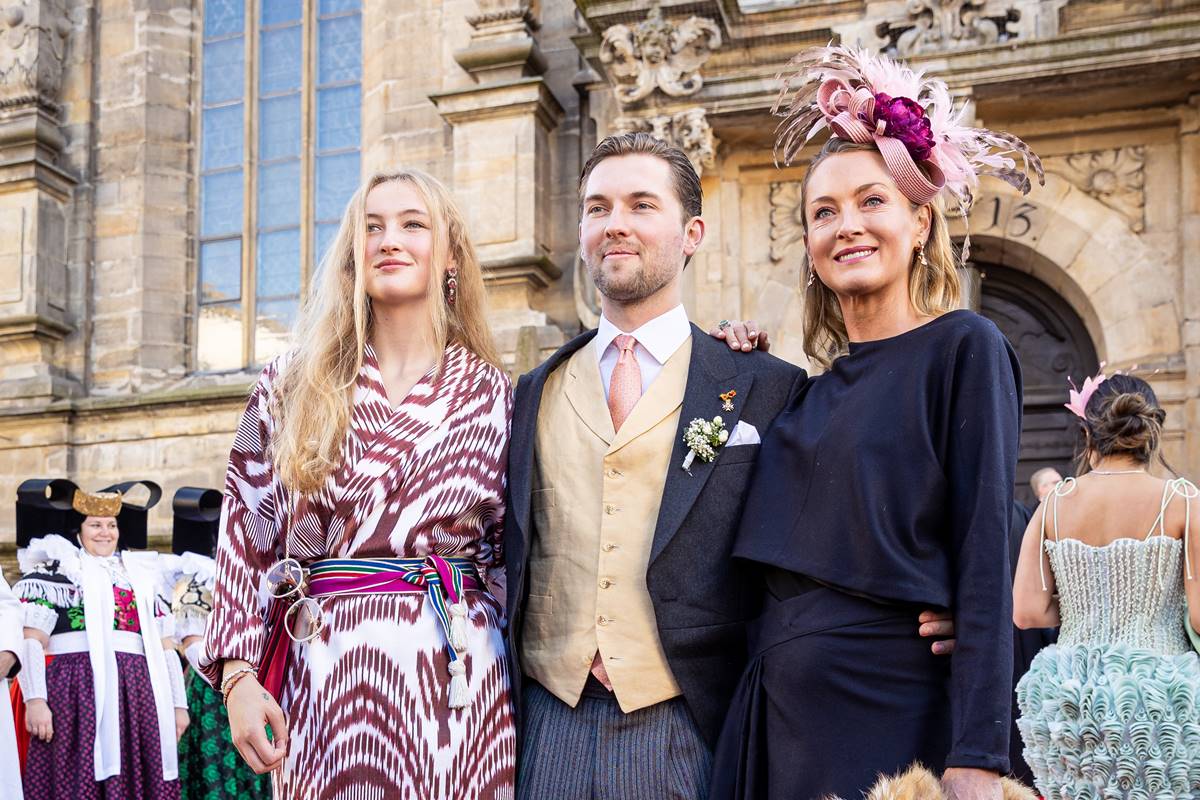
{"points": [[627, 618]]}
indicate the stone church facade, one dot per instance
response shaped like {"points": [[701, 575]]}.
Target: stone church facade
{"points": [[170, 170]]}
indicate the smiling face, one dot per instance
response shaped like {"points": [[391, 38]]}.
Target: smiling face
{"points": [[862, 232], [634, 235], [400, 237], [98, 535]]}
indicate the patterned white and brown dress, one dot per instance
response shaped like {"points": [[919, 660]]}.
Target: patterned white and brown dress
{"points": [[367, 701]]}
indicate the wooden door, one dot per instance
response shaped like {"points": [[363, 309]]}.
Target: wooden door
{"points": [[1052, 345]]}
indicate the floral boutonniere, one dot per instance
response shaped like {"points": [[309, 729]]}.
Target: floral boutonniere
{"points": [[703, 437]]}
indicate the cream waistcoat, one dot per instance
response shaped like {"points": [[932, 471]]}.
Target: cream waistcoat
{"points": [[596, 496]]}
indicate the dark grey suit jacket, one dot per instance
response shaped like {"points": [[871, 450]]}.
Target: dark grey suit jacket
{"points": [[702, 600]]}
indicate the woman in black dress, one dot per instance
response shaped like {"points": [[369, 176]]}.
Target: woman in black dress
{"points": [[899, 459]]}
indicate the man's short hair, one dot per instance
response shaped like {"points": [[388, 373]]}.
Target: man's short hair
{"points": [[683, 175], [1037, 476]]}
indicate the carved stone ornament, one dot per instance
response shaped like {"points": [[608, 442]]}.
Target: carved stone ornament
{"points": [[501, 11], [1116, 178], [33, 43], [934, 26], [688, 130], [658, 54], [787, 227]]}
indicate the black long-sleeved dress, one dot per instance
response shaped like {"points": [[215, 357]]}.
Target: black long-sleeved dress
{"points": [[885, 489]]}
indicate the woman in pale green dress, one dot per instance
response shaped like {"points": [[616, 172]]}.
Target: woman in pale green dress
{"points": [[1113, 710]]}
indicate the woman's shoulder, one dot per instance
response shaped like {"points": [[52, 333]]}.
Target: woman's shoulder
{"points": [[50, 572], [973, 344], [51, 557], [482, 375], [963, 326], [274, 369]]}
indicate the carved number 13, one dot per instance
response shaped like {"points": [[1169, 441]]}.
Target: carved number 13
{"points": [[1020, 216]]}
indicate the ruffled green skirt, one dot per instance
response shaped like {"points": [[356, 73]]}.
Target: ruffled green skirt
{"points": [[1111, 722]]}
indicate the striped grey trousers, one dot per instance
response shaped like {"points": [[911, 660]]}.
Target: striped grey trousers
{"points": [[596, 751]]}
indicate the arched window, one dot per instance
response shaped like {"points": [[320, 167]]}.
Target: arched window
{"points": [[280, 134]]}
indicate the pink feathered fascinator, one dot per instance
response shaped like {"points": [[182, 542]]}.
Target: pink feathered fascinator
{"points": [[868, 98], [1080, 397]]}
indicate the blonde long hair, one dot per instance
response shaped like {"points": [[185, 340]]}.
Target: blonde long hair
{"points": [[932, 290], [314, 396]]}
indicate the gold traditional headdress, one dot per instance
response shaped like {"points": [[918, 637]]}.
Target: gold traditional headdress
{"points": [[99, 504]]}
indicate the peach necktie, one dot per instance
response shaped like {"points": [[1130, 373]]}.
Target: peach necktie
{"points": [[625, 383], [624, 390]]}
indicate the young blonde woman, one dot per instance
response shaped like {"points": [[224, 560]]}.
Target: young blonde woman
{"points": [[365, 493], [899, 462]]}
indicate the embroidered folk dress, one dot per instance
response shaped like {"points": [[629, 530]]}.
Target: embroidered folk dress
{"points": [[131, 753], [367, 700]]}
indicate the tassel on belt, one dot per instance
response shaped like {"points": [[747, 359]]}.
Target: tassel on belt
{"points": [[443, 580]]}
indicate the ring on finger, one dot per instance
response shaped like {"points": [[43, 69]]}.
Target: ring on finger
{"points": [[723, 324]]}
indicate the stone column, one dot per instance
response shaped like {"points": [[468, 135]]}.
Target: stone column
{"points": [[1189, 256], [142, 193], [35, 192], [503, 139]]}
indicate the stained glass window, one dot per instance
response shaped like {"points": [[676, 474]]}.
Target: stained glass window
{"points": [[261, 200]]}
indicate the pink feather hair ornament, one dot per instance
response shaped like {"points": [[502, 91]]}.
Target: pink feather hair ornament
{"points": [[867, 98], [1080, 397]]}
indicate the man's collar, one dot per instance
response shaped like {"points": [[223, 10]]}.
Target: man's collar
{"points": [[661, 336]]}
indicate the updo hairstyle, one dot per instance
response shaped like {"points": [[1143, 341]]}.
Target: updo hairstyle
{"points": [[1123, 419]]}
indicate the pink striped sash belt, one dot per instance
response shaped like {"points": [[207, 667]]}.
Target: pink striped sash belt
{"points": [[443, 580]]}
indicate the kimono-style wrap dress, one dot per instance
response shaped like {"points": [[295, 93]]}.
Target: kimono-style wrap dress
{"points": [[416, 505], [111, 689]]}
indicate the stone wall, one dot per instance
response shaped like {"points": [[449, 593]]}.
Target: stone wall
{"points": [[98, 196]]}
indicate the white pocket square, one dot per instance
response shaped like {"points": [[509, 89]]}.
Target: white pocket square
{"points": [[744, 433]]}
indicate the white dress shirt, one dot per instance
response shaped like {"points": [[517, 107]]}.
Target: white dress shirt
{"points": [[657, 341]]}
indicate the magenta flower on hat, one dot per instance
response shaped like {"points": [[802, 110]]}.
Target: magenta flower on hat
{"points": [[905, 120]]}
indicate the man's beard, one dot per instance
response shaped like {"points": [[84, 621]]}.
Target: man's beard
{"points": [[629, 288]]}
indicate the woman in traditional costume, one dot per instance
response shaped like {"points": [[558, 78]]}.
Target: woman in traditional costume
{"points": [[12, 650], [899, 459], [106, 712], [1113, 709], [209, 765], [365, 497]]}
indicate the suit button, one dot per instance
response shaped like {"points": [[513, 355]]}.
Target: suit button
{"points": [[613, 473], [605, 583], [609, 547], [610, 509], [602, 620]]}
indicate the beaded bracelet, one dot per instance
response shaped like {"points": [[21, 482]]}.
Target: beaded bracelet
{"points": [[231, 680]]}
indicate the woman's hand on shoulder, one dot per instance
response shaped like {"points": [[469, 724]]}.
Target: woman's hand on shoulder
{"points": [[962, 783], [739, 335], [251, 709], [39, 721]]}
